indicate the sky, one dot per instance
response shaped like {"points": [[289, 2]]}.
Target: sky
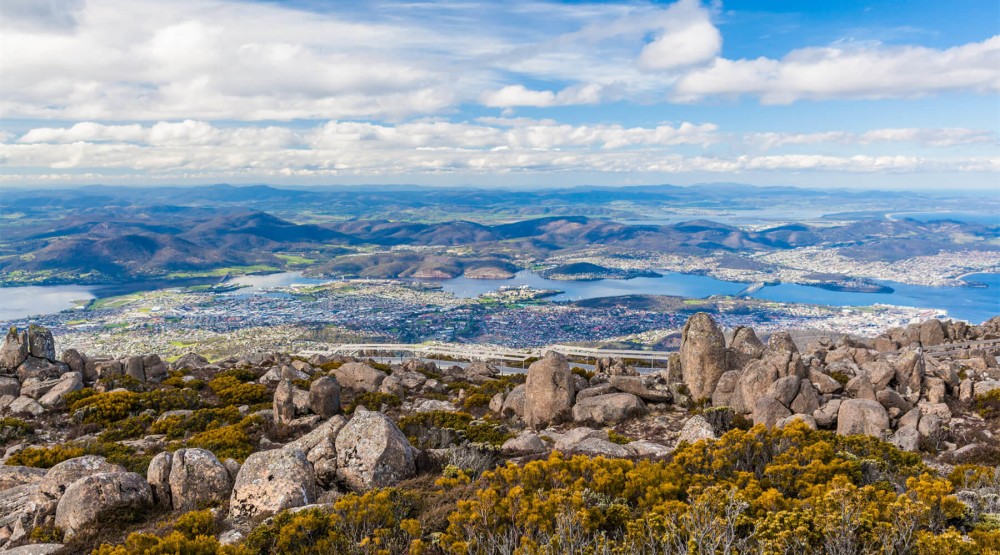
{"points": [[888, 94]]}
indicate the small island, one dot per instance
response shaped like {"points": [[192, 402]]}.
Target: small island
{"points": [[585, 271]]}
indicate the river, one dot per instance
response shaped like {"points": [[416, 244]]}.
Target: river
{"points": [[975, 304]]}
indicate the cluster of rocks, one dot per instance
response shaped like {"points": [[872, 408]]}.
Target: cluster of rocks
{"points": [[33, 380], [888, 387], [904, 386]]}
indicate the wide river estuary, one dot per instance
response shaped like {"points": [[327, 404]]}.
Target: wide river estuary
{"points": [[975, 304]]}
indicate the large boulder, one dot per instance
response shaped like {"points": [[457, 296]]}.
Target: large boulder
{"points": [[40, 343], [513, 404], [862, 416], [134, 368], [14, 350], [696, 429], [607, 410], [642, 387], [284, 403], [359, 377], [12, 476], [932, 332], [324, 396], [908, 365], [768, 411], [549, 392], [319, 445], [190, 361], [372, 452], [89, 500], [60, 476], [269, 482], [754, 383], [527, 443], [197, 479], [56, 396], [744, 347], [40, 368], [158, 478], [703, 355]]}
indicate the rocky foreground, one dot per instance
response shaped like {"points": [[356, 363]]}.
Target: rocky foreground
{"points": [[96, 448]]}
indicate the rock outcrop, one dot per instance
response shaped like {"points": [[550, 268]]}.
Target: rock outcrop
{"points": [[862, 416], [372, 452], [359, 377], [703, 355], [608, 410], [324, 396], [269, 482], [197, 479], [88, 500], [549, 392]]}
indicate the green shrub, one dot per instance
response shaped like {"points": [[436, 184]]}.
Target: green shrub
{"points": [[45, 457], [177, 427], [130, 428], [462, 422], [841, 377], [48, 533], [106, 408], [373, 400], [196, 523], [583, 373], [988, 405], [620, 439], [235, 441], [476, 400], [232, 391], [12, 429]]}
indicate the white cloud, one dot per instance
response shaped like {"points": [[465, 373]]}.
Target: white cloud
{"points": [[518, 95], [847, 71], [490, 145], [149, 60], [946, 137], [689, 38]]}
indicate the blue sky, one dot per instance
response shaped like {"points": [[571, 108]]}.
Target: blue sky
{"points": [[890, 94]]}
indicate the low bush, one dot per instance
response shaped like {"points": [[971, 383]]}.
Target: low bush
{"points": [[988, 405], [13, 429], [376, 523], [177, 427], [236, 441], [232, 391], [130, 428], [47, 457], [462, 422], [373, 400], [196, 523], [113, 406]]}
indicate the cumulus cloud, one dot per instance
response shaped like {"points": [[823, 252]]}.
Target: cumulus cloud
{"points": [[946, 137], [849, 71], [230, 60], [489, 145], [688, 38]]}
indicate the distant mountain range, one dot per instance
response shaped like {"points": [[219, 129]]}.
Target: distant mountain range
{"points": [[109, 234], [127, 249]]}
